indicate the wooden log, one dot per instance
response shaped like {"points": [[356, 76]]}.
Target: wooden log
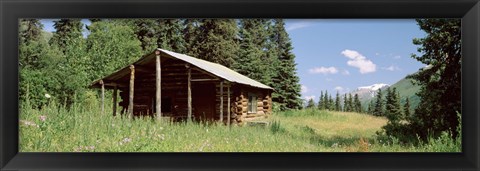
{"points": [[130, 97], [189, 70], [158, 95], [228, 107], [221, 101], [103, 96], [114, 101], [260, 104]]}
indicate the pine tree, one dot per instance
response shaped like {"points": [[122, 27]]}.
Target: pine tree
{"points": [[285, 80], [190, 35], [325, 101], [440, 83], [351, 106], [378, 110], [310, 104], [406, 108], [30, 30], [331, 103], [371, 107], [345, 103], [251, 56], [66, 29], [145, 31], [320, 101], [217, 42], [337, 103], [392, 106], [170, 35], [357, 104]]}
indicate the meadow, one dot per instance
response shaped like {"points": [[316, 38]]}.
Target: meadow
{"points": [[82, 128]]}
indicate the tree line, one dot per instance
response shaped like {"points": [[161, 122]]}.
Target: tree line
{"points": [[63, 63], [326, 102]]}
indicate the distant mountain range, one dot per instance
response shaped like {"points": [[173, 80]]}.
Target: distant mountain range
{"points": [[404, 87]]}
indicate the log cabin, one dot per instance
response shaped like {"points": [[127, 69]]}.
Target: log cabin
{"points": [[165, 84]]}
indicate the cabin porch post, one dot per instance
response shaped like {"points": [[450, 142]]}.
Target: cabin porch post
{"points": [[114, 100], [158, 105], [221, 101], [103, 96], [189, 89], [228, 104], [130, 95]]}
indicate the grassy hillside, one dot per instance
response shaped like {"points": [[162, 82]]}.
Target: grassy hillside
{"points": [[83, 129], [405, 88]]}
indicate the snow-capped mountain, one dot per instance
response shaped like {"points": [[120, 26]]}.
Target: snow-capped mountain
{"points": [[374, 87], [367, 92]]}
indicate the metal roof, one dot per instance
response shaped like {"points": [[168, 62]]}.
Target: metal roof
{"points": [[217, 69], [213, 68]]}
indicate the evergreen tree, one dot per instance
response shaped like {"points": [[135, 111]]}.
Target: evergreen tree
{"points": [[285, 80], [30, 30], [357, 104], [145, 31], [331, 103], [217, 42], [351, 107], [30, 44], [440, 83], [371, 107], [406, 108], [170, 35], [320, 101], [310, 104], [337, 103], [190, 35], [325, 101], [392, 106], [66, 29], [250, 60], [345, 103], [378, 110]]}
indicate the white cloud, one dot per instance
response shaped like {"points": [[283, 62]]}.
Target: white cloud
{"points": [[304, 89], [328, 79], [391, 68], [298, 25], [323, 70], [359, 61], [376, 54], [338, 88], [346, 72], [309, 97], [397, 57]]}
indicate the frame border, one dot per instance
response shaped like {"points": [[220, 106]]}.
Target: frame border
{"points": [[11, 11]]}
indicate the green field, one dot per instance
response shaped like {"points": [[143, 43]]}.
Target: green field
{"points": [[84, 129]]}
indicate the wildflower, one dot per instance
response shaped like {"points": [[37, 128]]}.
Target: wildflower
{"points": [[92, 147], [43, 118], [47, 96], [334, 145], [28, 123], [125, 140]]}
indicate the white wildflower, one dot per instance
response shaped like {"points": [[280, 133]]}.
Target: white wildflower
{"points": [[47, 96]]}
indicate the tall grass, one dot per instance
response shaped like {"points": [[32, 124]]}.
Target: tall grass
{"points": [[83, 128]]}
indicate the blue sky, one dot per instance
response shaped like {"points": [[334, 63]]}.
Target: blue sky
{"points": [[343, 54]]}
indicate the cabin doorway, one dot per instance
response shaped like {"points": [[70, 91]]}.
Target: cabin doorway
{"points": [[203, 101]]}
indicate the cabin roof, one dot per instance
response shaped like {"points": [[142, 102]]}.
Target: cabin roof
{"points": [[213, 68]]}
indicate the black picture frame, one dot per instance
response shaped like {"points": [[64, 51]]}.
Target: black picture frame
{"points": [[11, 11]]}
